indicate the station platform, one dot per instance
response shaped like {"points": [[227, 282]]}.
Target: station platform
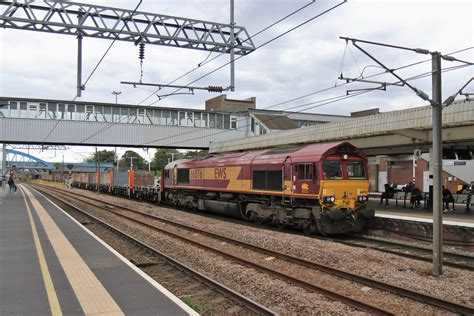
{"points": [[457, 217], [51, 265]]}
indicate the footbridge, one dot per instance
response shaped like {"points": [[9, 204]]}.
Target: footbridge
{"points": [[390, 133], [41, 121]]}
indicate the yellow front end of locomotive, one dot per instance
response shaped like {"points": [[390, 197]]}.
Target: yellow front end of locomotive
{"points": [[344, 194]]}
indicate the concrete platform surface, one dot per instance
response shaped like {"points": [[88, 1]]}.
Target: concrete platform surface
{"points": [[51, 265]]}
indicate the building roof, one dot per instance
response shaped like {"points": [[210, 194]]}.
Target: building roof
{"points": [[279, 122]]}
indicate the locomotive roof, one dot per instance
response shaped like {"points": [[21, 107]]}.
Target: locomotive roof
{"points": [[308, 153]]}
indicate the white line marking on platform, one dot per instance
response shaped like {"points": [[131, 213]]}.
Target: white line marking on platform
{"points": [[153, 282], [90, 292], [424, 220]]}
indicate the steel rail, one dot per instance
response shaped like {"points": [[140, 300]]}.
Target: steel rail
{"points": [[302, 283], [429, 299], [451, 255], [247, 302]]}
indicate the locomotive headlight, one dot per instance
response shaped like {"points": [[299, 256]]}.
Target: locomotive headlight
{"points": [[329, 199], [362, 198]]}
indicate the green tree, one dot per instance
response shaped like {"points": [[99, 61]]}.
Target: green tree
{"points": [[160, 160], [104, 156], [138, 161], [196, 154], [162, 156]]}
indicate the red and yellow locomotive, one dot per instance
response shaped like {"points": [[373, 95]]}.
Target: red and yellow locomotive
{"points": [[317, 188]]}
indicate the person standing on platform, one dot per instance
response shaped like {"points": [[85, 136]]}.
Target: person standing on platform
{"points": [[69, 181], [11, 184], [470, 192]]}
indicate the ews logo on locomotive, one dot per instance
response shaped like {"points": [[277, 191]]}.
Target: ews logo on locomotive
{"points": [[220, 173]]}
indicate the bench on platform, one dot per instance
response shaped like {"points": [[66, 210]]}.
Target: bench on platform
{"points": [[400, 196]]}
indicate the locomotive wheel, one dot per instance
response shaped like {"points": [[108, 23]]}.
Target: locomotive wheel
{"points": [[256, 219], [276, 223], [307, 229]]}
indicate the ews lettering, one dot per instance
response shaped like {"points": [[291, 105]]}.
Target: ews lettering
{"points": [[219, 173]]}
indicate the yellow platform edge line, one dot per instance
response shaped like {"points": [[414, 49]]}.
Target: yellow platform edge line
{"points": [[91, 294], [48, 281]]}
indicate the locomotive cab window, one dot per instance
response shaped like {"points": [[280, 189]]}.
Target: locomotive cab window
{"points": [[305, 172], [356, 169], [332, 169]]}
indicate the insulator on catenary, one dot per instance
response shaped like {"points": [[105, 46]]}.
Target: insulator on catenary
{"points": [[141, 51], [214, 89]]}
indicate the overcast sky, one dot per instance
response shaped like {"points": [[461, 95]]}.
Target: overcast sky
{"points": [[304, 61]]}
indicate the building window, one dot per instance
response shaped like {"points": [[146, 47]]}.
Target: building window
{"points": [[90, 113], [226, 121], [107, 114], [33, 111], [42, 111], [70, 109], [182, 119], [13, 109], [23, 110], [60, 114], [212, 120], [219, 121]]}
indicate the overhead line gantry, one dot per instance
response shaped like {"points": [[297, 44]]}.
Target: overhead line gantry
{"points": [[87, 20]]}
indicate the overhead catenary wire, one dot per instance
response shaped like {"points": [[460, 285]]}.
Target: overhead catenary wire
{"points": [[206, 61], [319, 91], [323, 102], [98, 63], [258, 47], [368, 77], [222, 66]]}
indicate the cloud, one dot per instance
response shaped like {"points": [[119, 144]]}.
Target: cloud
{"points": [[306, 60]]}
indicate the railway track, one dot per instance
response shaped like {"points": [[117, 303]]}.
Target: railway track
{"points": [[451, 259], [399, 291], [196, 286]]}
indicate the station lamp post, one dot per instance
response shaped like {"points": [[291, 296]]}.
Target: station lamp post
{"points": [[116, 93]]}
